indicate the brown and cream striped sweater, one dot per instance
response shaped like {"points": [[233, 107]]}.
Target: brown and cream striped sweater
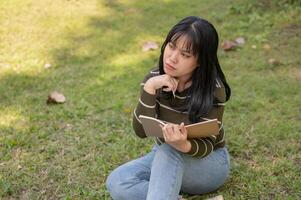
{"points": [[167, 108]]}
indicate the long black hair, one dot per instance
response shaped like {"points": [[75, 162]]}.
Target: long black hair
{"points": [[202, 39]]}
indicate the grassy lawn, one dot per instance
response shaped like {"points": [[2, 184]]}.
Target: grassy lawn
{"points": [[94, 48]]}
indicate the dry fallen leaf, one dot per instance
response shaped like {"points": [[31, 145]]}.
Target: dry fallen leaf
{"points": [[149, 46], [228, 45], [240, 41], [56, 97], [219, 197], [273, 62], [47, 65], [266, 47]]}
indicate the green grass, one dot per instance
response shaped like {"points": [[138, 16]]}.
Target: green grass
{"points": [[94, 48]]}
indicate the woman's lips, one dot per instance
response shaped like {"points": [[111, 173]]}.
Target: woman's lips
{"points": [[169, 66]]}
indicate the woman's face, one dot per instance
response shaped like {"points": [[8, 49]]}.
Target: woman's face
{"points": [[178, 61]]}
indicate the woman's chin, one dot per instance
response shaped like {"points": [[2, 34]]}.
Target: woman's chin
{"points": [[169, 72]]}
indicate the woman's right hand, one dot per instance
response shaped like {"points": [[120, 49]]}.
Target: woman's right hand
{"points": [[156, 82]]}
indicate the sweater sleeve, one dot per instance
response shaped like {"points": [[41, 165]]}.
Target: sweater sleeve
{"points": [[201, 147], [146, 106]]}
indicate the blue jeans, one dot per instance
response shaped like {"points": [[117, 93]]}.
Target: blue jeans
{"points": [[164, 172]]}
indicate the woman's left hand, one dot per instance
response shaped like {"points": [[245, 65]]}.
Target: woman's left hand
{"points": [[176, 136]]}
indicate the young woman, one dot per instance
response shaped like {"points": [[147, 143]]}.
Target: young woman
{"points": [[188, 87]]}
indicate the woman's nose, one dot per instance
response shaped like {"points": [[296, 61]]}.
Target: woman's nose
{"points": [[174, 56]]}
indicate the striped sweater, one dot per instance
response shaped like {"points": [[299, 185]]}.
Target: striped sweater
{"points": [[165, 107]]}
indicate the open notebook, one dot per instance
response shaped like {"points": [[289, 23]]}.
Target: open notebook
{"points": [[152, 127]]}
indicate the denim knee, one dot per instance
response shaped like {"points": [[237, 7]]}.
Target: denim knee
{"points": [[120, 187], [114, 187], [110, 183], [169, 151]]}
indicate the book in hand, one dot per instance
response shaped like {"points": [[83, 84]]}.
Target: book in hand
{"points": [[152, 127]]}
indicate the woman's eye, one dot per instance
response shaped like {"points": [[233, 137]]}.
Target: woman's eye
{"points": [[185, 55], [171, 45]]}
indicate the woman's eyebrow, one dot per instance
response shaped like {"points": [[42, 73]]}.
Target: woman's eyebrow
{"points": [[182, 50], [186, 51]]}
